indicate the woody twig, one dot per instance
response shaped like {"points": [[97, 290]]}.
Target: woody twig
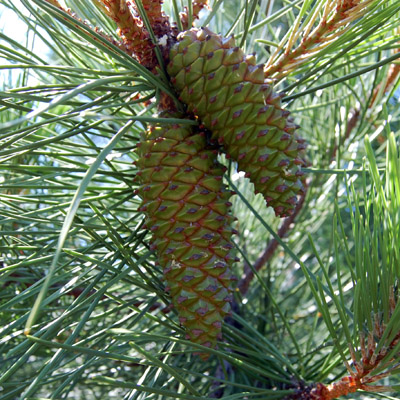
{"points": [[287, 223], [392, 76]]}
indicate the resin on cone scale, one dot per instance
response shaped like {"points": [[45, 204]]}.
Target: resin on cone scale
{"points": [[187, 210], [230, 95]]}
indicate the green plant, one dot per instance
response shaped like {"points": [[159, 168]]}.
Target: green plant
{"points": [[83, 305]]}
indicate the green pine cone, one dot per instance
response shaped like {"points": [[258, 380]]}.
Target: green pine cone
{"points": [[229, 94], [187, 210]]}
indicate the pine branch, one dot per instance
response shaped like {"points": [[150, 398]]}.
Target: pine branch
{"points": [[364, 375], [337, 17], [106, 290], [374, 346], [116, 43]]}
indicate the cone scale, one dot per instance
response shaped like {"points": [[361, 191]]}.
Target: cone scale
{"points": [[187, 211], [227, 91]]}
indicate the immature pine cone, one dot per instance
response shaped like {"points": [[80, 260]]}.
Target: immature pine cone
{"points": [[230, 95], [187, 210]]}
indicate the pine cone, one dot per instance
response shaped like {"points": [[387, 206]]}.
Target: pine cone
{"points": [[187, 210], [229, 94]]}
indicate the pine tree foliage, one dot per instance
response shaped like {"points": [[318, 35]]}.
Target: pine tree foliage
{"points": [[83, 308]]}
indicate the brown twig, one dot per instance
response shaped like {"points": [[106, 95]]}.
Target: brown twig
{"points": [[273, 244], [394, 72]]}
